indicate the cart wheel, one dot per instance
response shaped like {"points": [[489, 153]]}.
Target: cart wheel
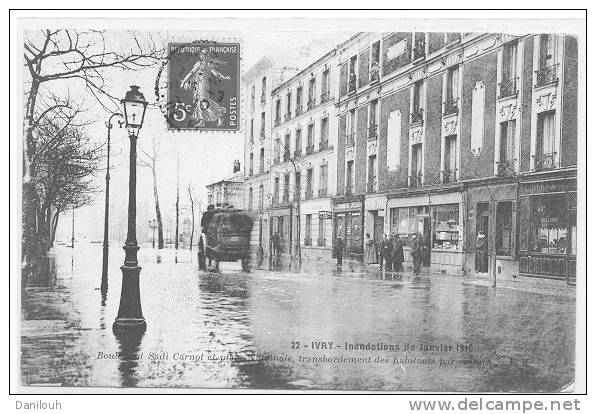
{"points": [[245, 267]]}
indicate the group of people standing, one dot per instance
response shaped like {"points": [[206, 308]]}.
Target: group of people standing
{"points": [[390, 254]]}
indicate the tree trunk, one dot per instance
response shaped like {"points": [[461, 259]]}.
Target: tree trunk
{"points": [[192, 228], [157, 210], [54, 227]]}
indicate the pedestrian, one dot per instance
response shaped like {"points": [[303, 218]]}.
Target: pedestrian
{"points": [[339, 250], [275, 242], [386, 247], [481, 264], [370, 250], [260, 255], [398, 254], [417, 253]]}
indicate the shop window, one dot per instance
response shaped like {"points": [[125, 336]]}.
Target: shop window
{"points": [[446, 227], [548, 227], [504, 236], [407, 221]]}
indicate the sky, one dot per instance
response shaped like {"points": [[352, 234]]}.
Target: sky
{"points": [[205, 157]]}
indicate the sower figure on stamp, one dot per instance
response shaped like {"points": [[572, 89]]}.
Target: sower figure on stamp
{"points": [[205, 109]]}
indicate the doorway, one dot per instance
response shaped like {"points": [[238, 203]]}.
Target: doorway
{"points": [[379, 223], [482, 227]]}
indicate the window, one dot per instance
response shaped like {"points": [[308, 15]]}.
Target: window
{"points": [[250, 171], [416, 108], [286, 187], [416, 167], [325, 86], [509, 61], [298, 142], [277, 112], [548, 224], [264, 90], [310, 135], [250, 198], [375, 53], [507, 148], [504, 236], [453, 83], [299, 100], [352, 76], [324, 129], [276, 189], [545, 141], [262, 125], [446, 227], [372, 119], [372, 174], [548, 51], [406, 221], [298, 183], [419, 50], [450, 161], [350, 178], [322, 225], [261, 196], [252, 98], [252, 130], [351, 127], [286, 149], [289, 106], [307, 230], [309, 175], [262, 160], [323, 179], [311, 93]]}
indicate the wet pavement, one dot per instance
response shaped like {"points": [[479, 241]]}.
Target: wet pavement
{"points": [[262, 329]]}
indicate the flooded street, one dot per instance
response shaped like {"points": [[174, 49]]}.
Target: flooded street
{"points": [[258, 329]]}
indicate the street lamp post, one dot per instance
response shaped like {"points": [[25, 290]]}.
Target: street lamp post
{"points": [[104, 267], [130, 316], [153, 225]]}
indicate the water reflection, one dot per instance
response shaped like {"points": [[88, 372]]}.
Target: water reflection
{"points": [[129, 356]]}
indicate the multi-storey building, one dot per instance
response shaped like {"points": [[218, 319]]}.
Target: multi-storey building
{"points": [[229, 191], [258, 82], [304, 138], [449, 135]]}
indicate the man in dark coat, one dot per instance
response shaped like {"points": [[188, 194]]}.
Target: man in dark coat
{"points": [[417, 254], [481, 256], [386, 247], [398, 255], [275, 244], [339, 250]]}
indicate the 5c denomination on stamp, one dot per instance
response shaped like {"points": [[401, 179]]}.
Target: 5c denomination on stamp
{"points": [[203, 86]]}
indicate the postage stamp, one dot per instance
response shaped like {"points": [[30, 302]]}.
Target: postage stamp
{"points": [[203, 86]]}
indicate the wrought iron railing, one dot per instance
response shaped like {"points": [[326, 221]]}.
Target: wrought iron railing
{"points": [[263, 98], [310, 149], [349, 139], [322, 192], [547, 75], [311, 104], [451, 106], [286, 197], [298, 153], [325, 96], [415, 180], [307, 240], [276, 122], [287, 116], [417, 116], [352, 83], [371, 186], [506, 168], [349, 190], [374, 73], [321, 242], [372, 131], [262, 133], [419, 49], [545, 161], [323, 144], [508, 88], [286, 155], [276, 160], [449, 175], [308, 193], [299, 110]]}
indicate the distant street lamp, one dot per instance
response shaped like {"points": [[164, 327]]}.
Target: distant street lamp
{"points": [[130, 316], [104, 267]]}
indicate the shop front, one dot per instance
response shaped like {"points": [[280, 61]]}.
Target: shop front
{"points": [[316, 229], [281, 225], [374, 219], [436, 219], [548, 228], [348, 224]]}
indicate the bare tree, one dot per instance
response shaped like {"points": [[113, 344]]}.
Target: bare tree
{"points": [[192, 200], [150, 161], [51, 56]]}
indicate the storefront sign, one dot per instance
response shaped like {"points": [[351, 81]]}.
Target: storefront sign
{"points": [[324, 215]]}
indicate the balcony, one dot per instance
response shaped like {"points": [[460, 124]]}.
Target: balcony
{"points": [[298, 153], [349, 190], [506, 168], [310, 149], [371, 186], [545, 162], [299, 110], [308, 193], [325, 96], [451, 106], [323, 144], [277, 121], [417, 116], [415, 180], [286, 197], [352, 83], [374, 73], [321, 242], [287, 116], [322, 192], [310, 105], [372, 131], [547, 76], [276, 160], [350, 139], [419, 50], [307, 241], [508, 88], [449, 175]]}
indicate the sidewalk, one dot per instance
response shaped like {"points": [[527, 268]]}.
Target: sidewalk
{"points": [[526, 284]]}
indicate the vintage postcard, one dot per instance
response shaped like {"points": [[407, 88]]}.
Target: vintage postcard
{"points": [[299, 205]]}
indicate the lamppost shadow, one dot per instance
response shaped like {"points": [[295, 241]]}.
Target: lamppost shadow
{"points": [[129, 344]]}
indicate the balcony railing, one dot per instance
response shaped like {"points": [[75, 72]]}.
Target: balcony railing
{"points": [[419, 49], [325, 96], [310, 149], [545, 161], [307, 240], [547, 75], [350, 139], [508, 88], [310, 105], [322, 192], [263, 98], [371, 186], [349, 190], [449, 175], [287, 116], [415, 180], [276, 160], [373, 131], [323, 144], [506, 168], [276, 196], [417, 116], [321, 242], [298, 153], [308, 193], [276, 122], [286, 155], [299, 110], [352, 83], [374, 73], [261, 169], [286, 197], [451, 106]]}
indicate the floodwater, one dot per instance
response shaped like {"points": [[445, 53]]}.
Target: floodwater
{"points": [[267, 329]]}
